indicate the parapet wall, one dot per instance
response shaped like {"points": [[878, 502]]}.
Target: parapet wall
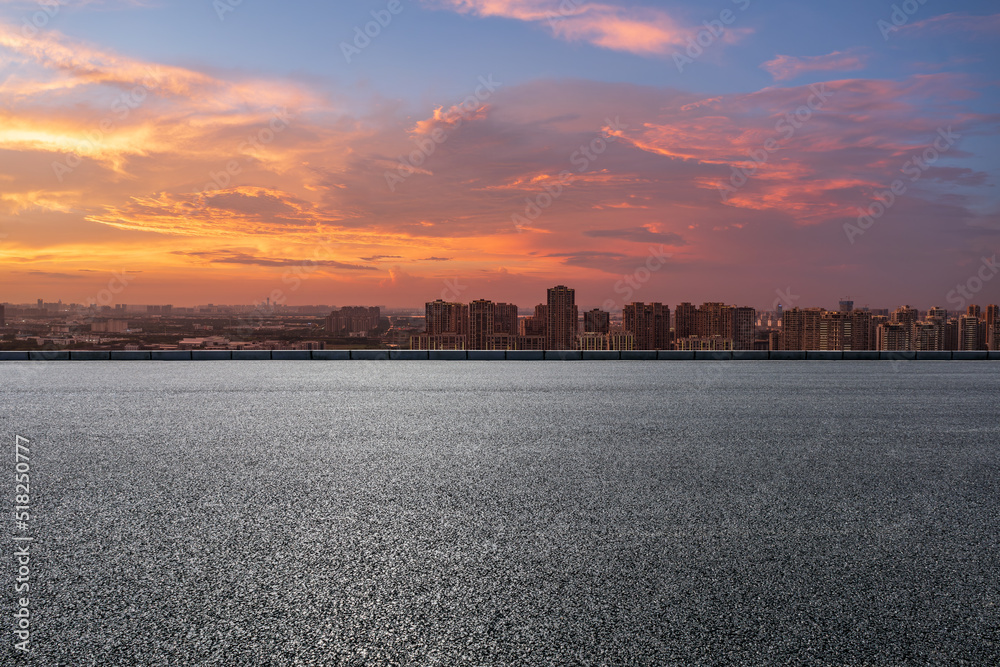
{"points": [[489, 355]]}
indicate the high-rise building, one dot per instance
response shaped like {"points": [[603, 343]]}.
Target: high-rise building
{"points": [[951, 334], [992, 326], [597, 321], [3, 317], [906, 316], [744, 328], [862, 334], [686, 321], [893, 337], [968, 333], [505, 321], [482, 323], [444, 317], [928, 336], [834, 330], [846, 306], [792, 324], [709, 321], [800, 329], [535, 325], [649, 324], [562, 318]]}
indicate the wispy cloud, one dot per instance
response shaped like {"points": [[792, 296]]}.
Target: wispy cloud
{"points": [[790, 67], [968, 25], [234, 257], [646, 234], [644, 31]]}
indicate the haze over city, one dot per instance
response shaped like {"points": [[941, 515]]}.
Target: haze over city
{"points": [[387, 152]]}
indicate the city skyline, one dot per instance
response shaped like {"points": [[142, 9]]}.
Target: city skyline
{"points": [[343, 153], [483, 324]]}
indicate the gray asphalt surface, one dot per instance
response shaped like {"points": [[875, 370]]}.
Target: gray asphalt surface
{"points": [[507, 513]]}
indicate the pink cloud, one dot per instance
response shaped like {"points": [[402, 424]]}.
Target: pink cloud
{"points": [[320, 184], [790, 67], [642, 31]]}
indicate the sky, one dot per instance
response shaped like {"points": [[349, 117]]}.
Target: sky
{"points": [[394, 152]]}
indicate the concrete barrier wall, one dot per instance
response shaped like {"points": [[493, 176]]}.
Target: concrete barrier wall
{"points": [[492, 355]]}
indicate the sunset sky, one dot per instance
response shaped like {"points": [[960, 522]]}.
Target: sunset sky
{"points": [[229, 151]]}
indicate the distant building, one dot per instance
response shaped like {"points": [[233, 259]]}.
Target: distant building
{"points": [[928, 336], [535, 325], [686, 321], [621, 340], [598, 321], [649, 324], [862, 335], [906, 316], [710, 321], [109, 326], [992, 326], [505, 320], [501, 341], [442, 317], [445, 341], [951, 334], [530, 342], [482, 323], [562, 318], [968, 333], [710, 343], [893, 337], [592, 340], [744, 328], [353, 319], [834, 330], [801, 329]]}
